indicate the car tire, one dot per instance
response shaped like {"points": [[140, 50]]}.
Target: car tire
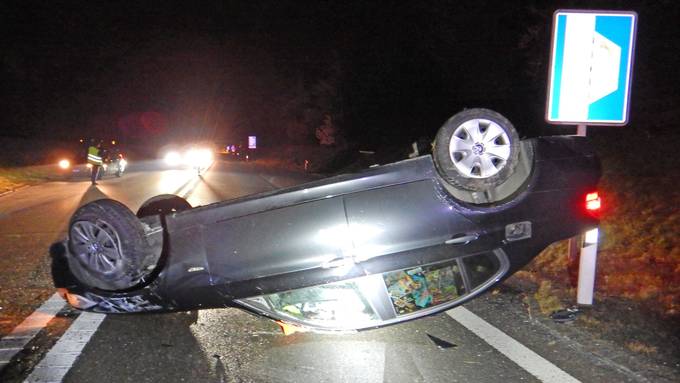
{"points": [[108, 247], [163, 204], [476, 150]]}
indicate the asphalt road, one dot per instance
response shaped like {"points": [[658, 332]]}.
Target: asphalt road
{"points": [[228, 345]]}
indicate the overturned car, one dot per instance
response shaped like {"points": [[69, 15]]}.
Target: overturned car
{"points": [[386, 245]]}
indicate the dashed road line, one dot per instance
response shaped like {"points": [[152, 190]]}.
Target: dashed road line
{"points": [[59, 360], [530, 361], [11, 344]]}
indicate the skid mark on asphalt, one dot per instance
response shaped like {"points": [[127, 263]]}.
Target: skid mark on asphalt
{"points": [[59, 360], [26, 330], [512, 349]]}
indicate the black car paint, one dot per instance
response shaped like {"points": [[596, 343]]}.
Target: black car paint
{"points": [[269, 242]]}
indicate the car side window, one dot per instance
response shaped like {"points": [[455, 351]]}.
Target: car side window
{"points": [[334, 304], [382, 298], [480, 268], [422, 287]]}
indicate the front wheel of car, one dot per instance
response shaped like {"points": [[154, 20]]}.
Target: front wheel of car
{"points": [[476, 150], [108, 246]]}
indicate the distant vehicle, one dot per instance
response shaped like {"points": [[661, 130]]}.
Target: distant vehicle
{"points": [[115, 165], [196, 157], [73, 161], [352, 252], [234, 152]]}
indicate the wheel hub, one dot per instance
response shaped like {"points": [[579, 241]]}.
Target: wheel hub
{"points": [[97, 246], [93, 248], [478, 148]]}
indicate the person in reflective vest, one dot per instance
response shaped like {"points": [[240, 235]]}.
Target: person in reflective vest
{"points": [[94, 158]]}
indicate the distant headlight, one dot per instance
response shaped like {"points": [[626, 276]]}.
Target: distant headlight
{"points": [[173, 158], [64, 164], [122, 162], [198, 157]]}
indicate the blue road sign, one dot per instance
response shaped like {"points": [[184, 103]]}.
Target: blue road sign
{"points": [[591, 67]]}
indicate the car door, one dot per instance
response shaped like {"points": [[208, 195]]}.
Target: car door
{"points": [[412, 249]]}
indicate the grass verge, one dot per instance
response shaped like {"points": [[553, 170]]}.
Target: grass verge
{"points": [[639, 248], [14, 178]]}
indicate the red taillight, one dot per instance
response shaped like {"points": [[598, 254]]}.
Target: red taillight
{"points": [[593, 202]]}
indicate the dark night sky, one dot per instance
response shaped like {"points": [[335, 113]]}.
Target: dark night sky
{"points": [[384, 72]]}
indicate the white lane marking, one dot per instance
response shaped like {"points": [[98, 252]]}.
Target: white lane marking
{"points": [[15, 341], [533, 363], [59, 360], [188, 188], [14, 190]]}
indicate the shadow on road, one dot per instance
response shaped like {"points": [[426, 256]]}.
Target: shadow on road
{"points": [[91, 194], [217, 195]]}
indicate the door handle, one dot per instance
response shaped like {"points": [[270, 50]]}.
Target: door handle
{"points": [[462, 239]]}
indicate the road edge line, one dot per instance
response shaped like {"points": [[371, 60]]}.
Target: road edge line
{"points": [[59, 360], [16, 189], [523, 356], [23, 333]]}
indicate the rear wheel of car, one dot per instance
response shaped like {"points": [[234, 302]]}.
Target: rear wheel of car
{"points": [[163, 204], [476, 149], [108, 246]]}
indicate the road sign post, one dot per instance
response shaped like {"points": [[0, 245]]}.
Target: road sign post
{"points": [[589, 82]]}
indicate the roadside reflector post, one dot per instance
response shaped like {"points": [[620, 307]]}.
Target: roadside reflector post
{"points": [[587, 268], [581, 130]]}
